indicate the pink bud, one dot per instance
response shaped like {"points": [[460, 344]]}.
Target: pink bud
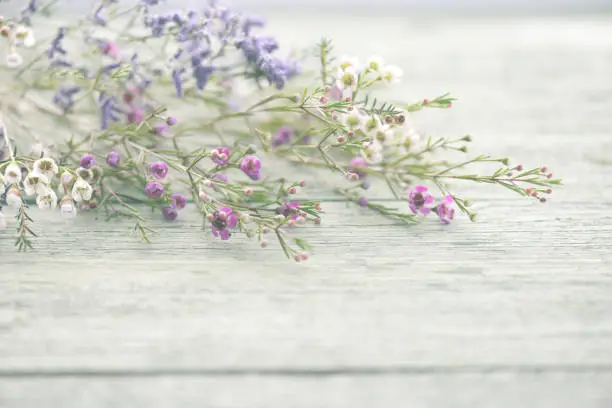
{"points": [[543, 169], [263, 244], [203, 196], [304, 256], [542, 199], [317, 221], [323, 100], [519, 167], [425, 101], [248, 192], [292, 190], [302, 183], [549, 175], [341, 139]]}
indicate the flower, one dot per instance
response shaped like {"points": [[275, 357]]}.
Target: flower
{"points": [[26, 35], [392, 74], [87, 161], [419, 199], [347, 79], [45, 166], [348, 62], [220, 156], [81, 190], [373, 126], [363, 202], [221, 221], [251, 166], [154, 189], [85, 174], [169, 213], [444, 211], [67, 207], [375, 63], [282, 136], [13, 59], [66, 178], [159, 170], [178, 201], [47, 199], [372, 151], [13, 198], [113, 159], [171, 121], [110, 49], [358, 163], [160, 128], [288, 208], [35, 183], [12, 174], [353, 120], [135, 115]]}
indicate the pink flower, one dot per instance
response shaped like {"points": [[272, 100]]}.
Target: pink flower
{"points": [[222, 221], [420, 200], [444, 211], [220, 156], [110, 48], [356, 167]]}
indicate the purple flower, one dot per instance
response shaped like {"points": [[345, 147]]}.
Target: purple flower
{"points": [[420, 200], [288, 208], [135, 115], [154, 189], [160, 128], [56, 44], [177, 81], [98, 19], [159, 170], [220, 156], [169, 213], [221, 221], [171, 121], [87, 161], [444, 211], [251, 166], [283, 135], [113, 159], [356, 167], [178, 201], [64, 97], [250, 22], [202, 73], [108, 110], [363, 202], [220, 177]]}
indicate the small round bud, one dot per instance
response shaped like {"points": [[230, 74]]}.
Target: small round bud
{"points": [[549, 175], [297, 258], [323, 100], [543, 169], [203, 196], [300, 220], [549, 191], [388, 119], [347, 99], [304, 256], [248, 192], [334, 116], [400, 119], [350, 108], [291, 223], [292, 190], [341, 139], [519, 167], [352, 177], [263, 244], [317, 221], [542, 199], [210, 217], [350, 134], [425, 101], [302, 183]]}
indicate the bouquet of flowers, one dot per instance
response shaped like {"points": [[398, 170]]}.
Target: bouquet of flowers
{"points": [[198, 110]]}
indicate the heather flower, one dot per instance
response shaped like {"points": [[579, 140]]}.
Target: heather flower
{"points": [[67, 207], [201, 74], [46, 199], [353, 120], [113, 159], [159, 170], [363, 202], [251, 166], [45, 166], [81, 190], [282, 136], [288, 208], [420, 200], [12, 174], [178, 201], [222, 221], [35, 183], [372, 151], [169, 213], [171, 121], [444, 211], [356, 167], [154, 189], [220, 156], [87, 161]]}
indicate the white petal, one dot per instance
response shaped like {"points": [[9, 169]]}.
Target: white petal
{"points": [[13, 60]]}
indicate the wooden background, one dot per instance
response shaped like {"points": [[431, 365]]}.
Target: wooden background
{"points": [[514, 310]]}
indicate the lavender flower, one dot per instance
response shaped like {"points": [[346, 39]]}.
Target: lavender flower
{"points": [[160, 129], [177, 81], [178, 201], [159, 170], [56, 44], [251, 166], [444, 211], [171, 121], [169, 213], [221, 221], [357, 164], [97, 18], [113, 159], [201, 74], [154, 189], [220, 156], [87, 161], [64, 98], [419, 199], [220, 177], [282, 136], [108, 110]]}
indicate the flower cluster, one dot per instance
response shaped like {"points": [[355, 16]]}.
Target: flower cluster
{"points": [[114, 87]]}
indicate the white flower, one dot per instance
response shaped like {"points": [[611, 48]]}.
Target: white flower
{"points": [[346, 62], [411, 141], [12, 174], [26, 35], [46, 166], [391, 74], [13, 198], [66, 178], [81, 190], [68, 208], [2, 221], [347, 79], [246, 218], [35, 183], [372, 152], [353, 120], [375, 63], [373, 125], [13, 60], [47, 199]]}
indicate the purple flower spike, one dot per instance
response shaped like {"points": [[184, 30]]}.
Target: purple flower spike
{"points": [[282, 136], [251, 166], [357, 164], [220, 156], [222, 221], [159, 170], [154, 189], [444, 211], [169, 213], [87, 161], [113, 159], [178, 201], [420, 200]]}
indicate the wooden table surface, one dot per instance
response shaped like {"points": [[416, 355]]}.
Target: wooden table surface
{"points": [[511, 311]]}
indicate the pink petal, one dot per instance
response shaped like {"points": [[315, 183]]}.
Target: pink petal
{"points": [[232, 221], [420, 189]]}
